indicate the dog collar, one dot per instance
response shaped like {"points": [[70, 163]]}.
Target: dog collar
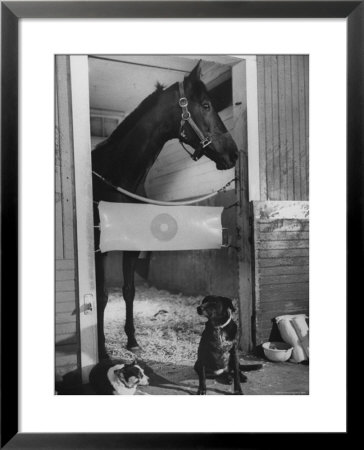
{"points": [[225, 324]]}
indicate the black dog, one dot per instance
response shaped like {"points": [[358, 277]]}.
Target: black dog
{"points": [[217, 352]]}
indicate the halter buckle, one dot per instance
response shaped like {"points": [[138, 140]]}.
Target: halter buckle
{"points": [[183, 102], [186, 115], [205, 142]]}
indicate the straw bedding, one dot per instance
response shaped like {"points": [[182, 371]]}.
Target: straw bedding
{"points": [[167, 325]]}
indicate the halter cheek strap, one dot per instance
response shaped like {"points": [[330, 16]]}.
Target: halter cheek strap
{"points": [[186, 117]]}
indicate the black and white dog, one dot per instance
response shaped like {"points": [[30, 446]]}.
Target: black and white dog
{"points": [[109, 378], [218, 352]]}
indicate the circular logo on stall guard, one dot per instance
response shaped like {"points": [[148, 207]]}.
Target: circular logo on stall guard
{"points": [[164, 227]]}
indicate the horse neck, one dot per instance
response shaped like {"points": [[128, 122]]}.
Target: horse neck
{"points": [[131, 157]]}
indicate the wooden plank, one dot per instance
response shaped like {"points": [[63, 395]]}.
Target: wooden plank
{"points": [[283, 262], [289, 282], [302, 128], [256, 295], [284, 236], [276, 175], [307, 90], [66, 150], [66, 328], [282, 127], [269, 127], [296, 129], [65, 286], [283, 270], [283, 225], [65, 307], [243, 208], [271, 297], [187, 170], [289, 127], [62, 275], [273, 286], [262, 128], [59, 227], [68, 297], [66, 317], [65, 264], [253, 129], [58, 215], [278, 295], [285, 253], [288, 244], [280, 308], [86, 285], [179, 189]]}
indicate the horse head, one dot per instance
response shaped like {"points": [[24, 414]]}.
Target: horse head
{"points": [[205, 133]]}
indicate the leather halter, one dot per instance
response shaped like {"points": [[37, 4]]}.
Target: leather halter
{"points": [[186, 117]]}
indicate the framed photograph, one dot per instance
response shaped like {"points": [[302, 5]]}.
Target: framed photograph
{"points": [[178, 181]]}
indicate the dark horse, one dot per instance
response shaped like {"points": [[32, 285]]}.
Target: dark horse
{"points": [[183, 111]]}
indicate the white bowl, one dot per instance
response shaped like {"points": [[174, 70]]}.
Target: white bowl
{"points": [[277, 351]]}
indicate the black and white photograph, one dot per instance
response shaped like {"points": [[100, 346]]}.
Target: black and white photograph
{"points": [[182, 224]]}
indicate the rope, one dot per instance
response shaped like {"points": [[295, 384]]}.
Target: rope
{"points": [[159, 202]]}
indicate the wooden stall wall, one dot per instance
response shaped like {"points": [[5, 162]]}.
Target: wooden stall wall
{"points": [[66, 305], [281, 247], [283, 108]]}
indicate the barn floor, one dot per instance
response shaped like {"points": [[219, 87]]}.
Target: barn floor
{"points": [[168, 330]]}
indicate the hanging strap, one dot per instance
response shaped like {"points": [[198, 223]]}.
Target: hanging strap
{"points": [[160, 202]]}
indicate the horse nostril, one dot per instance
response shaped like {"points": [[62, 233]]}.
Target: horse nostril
{"points": [[199, 310]]}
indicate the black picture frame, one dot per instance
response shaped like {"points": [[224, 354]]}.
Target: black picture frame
{"points": [[11, 12]]}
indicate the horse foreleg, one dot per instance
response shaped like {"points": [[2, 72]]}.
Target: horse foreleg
{"points": [[102, 297], [129, 263]]}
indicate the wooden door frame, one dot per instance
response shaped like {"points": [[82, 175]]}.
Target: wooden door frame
{"points": [[245, 109], [84, 213]]}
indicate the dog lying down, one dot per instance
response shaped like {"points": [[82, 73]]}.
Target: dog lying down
{"points": [[217, 353], [109, 378]]}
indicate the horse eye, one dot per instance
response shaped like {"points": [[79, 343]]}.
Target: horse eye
{"points": [[206, 106]]}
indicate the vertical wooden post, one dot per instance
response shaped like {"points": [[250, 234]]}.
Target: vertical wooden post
{"points": [[243, 213], [84, 212], [66, 327], [253, 127]]}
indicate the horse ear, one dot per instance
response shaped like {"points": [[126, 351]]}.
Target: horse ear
{"points": [[195, 75]]}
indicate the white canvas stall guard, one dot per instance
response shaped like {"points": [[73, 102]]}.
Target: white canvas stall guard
{"points": [[130, 226]]}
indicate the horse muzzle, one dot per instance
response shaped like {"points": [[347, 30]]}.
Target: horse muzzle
{"points": [[224, 152]]}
